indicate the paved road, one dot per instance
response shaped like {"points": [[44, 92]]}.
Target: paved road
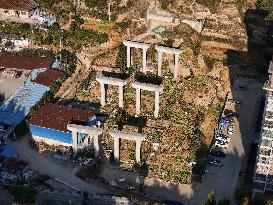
{"points": [[45, 165]]}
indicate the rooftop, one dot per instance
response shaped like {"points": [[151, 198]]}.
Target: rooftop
{"points": [[12, 165], [48, 77], [57, 117], [8, 60], [22, 5], [10, 36]]}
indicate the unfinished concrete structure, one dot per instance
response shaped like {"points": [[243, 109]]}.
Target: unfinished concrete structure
{"points": [[161, 16], [196, 25], [90, 132], [150, 87], [174, 51], [134, 44], [112, 81], [117, 135]]}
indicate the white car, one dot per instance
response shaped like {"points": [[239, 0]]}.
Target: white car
{"points": [[230, 129], [224, 139], [221, 144]]}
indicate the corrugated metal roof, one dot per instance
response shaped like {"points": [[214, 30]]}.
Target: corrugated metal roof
{"points": [[14, 110]]}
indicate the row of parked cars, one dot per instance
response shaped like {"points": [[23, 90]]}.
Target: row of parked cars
{"points": [[222, 140]]}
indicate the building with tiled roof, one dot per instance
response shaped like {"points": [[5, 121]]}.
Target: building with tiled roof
{"points": [[49, 123], [18, 42], [25, 9], [17, 8], [7, 60]]}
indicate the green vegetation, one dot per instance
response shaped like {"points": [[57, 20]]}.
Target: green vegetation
{"points": [[263, 199], [218, 109], [22, 195], [212, 201], [210, 61], [240, 4], [180, 176], [211, 4], [149, 79], [266, 5], [21, 129], [120, 60], [87, 81], [90, 171], [95, 3], [165, 3], [46, 4], [40, 179], [73, 38]]}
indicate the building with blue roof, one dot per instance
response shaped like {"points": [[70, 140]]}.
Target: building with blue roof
{"points": [[49, 123]]}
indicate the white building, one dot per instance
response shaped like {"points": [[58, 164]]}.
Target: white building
{"points": [[263, 176], [15, 10], [18, 42]]}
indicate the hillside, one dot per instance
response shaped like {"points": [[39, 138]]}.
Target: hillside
{"points": [[189, 106]]}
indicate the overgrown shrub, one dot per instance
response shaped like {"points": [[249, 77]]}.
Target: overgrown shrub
{"points": [[211, 4], [90, 171]]}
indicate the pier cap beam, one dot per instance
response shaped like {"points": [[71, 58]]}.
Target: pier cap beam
{"points": [[84, 129], [136, 44], [168, 49], [146, 86], [127, 135]]}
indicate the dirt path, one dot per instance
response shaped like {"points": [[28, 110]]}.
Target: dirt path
{"points": [[85, 58], [45, 165]]}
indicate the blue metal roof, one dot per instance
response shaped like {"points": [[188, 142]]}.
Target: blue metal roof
{"points": [[60, 136], [8, 151], [14, 110]]}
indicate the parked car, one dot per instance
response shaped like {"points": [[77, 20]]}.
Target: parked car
{"points": [[221, 144], [113, 183], [222, 138], [215, 162], [230, 120], [232, 114], [217, 153], [131, 187], [230, 129], [241, 87], [101, 179], [236, 102]]}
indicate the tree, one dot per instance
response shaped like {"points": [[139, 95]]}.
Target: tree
{"points": [[93, 3], [266, 5], [211, 198], [241, 196], [46, 3], [9, 44], [223, 202], [245, 201]]}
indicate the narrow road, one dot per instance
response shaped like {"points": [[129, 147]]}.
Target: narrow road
{"points": [[45, 165]]}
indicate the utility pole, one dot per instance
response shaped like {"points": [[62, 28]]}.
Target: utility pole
{"points": [[109, 9]]}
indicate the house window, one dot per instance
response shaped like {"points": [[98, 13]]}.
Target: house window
{"points": [[6, 11], [23, 13]]}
